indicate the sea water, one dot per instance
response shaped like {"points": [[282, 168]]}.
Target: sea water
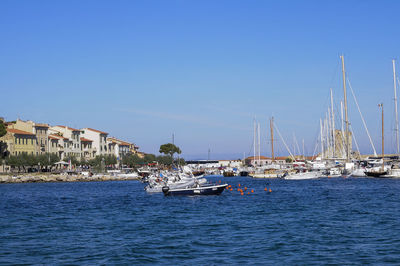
{"points": [[324, 221]]}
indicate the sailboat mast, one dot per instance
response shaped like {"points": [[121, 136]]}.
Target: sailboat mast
{"points": [[395, 105], [254, 142], [345, 112], [271, 125], [333, 126], [322, 143], [259, 145], [383, 143]]}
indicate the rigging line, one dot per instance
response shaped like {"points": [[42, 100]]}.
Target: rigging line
{"points": [[316, 139], [355, 141], [316, 147], [362, 118], [297, 144], [279, 133], [335, 72]]}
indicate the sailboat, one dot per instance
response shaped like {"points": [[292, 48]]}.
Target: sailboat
{"points": [[381, 171], [394, 171]]}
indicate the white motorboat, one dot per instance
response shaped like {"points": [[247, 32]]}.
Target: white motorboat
{"points": [[358, 172], [173, 179], [334, 172], [303, 175]]}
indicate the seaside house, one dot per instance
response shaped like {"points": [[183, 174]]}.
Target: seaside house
{"points": [[19, 142], [112, 147], [259, 160], [59, 145], [87, 150], [230, 163], [39, 130], [99, 138], [73, 135], [133, 149], [121, 148]]}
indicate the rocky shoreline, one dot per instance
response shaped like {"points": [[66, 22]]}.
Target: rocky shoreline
{"points": [[32, 178]]}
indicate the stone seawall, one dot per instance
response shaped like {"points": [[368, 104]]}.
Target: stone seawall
{"points": [[31, 178]]}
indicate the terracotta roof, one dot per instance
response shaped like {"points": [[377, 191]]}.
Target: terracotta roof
{"points": [[58, 137], [123, 143], [86, 140], [98, 131], [19, 132], [73, 129], [41, 125], [118, 141], [282, 157]]}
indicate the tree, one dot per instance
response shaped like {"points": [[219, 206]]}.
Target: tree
{"points": [[164, 159], [180, 161], [3, 145], [288, 160], [3, 129], [110, 159], [169, 149], [149, 158]]}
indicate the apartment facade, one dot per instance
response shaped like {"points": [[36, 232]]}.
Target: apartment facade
{"points": [[20, 142], [41, 132], [99, 138], [73, 135], [87, 150], [120, 147]]}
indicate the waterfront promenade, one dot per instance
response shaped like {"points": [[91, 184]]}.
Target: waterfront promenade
{"points": [[41, 177]]}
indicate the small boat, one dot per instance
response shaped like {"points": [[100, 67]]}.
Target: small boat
{"points": [[206, 189], [381, 174], [302, 175], [244, 173], [358, 172]]}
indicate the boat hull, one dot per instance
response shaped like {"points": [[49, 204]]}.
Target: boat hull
{"points": [[377, 174], [202, 190]]}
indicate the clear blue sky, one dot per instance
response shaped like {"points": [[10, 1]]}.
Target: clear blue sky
{"points": [[143, 70]]}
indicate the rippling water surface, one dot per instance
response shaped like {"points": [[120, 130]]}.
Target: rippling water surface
{"points": [[336, 221]]}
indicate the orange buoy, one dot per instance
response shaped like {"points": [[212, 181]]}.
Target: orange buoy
{"points": [[239, 185], [245, 188], [265, 189], [270, 190], [252, 191], [248, 193], [241, 193]]}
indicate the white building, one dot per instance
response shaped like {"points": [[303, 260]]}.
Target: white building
{"points": [[230, 163], [120, 147], [59, 145], [73, 135], [99, 138]]}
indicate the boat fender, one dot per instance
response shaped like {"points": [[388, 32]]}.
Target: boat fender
{"points": [[165, 189]]}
